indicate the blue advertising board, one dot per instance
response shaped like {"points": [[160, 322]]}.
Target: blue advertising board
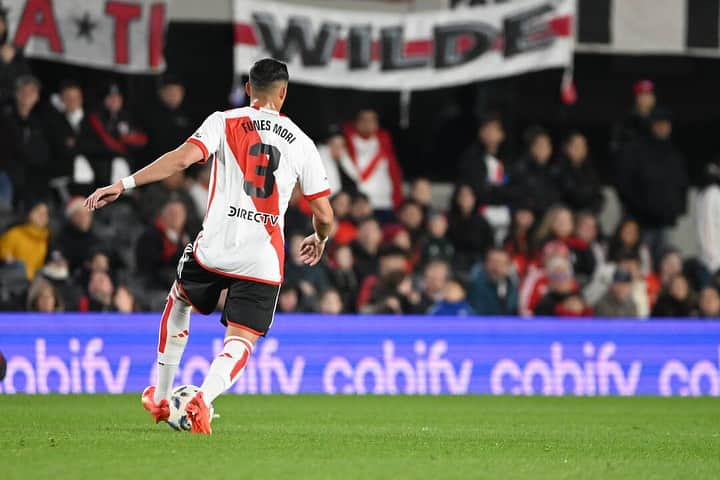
{"points": [[357, 354]]}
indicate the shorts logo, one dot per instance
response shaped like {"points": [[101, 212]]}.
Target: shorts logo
{"points": [[252, 216]]}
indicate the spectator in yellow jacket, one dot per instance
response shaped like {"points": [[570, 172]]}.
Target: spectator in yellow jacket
{"points": [[28, 242]]}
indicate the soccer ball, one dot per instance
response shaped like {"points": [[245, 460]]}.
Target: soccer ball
{"points": [[178, 401]]}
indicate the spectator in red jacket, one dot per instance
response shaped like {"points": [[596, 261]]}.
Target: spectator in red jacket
{"points": [[379, 173]]}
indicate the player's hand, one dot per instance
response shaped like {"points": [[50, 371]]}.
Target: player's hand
{"points": [[311, 250], [103, 196]]}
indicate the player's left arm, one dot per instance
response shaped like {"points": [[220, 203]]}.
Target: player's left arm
{"points": [[312, 248], [168, 164]]}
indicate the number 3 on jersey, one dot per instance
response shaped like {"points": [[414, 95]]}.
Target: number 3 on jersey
{"points": [[260, 177]]}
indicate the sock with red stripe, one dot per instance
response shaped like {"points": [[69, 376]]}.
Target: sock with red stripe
{"points": [[226, 367], [173, 336]]}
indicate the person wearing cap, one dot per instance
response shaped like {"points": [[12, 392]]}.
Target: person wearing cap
{"points": [[618, 300], [116, 138], [167, 123], [635, 124], [652, 180], [76, 238], [25, 156]]}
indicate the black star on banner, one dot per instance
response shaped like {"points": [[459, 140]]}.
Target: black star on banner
{"points": [[85, 27]]}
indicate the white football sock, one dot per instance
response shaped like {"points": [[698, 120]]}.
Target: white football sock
{"points": [[172, 338], [226, 367]]}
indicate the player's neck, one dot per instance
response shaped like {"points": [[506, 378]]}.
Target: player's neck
{"points": [[264, 103]]}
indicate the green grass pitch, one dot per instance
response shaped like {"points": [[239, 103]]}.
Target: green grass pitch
{"points": [[268, 437]]}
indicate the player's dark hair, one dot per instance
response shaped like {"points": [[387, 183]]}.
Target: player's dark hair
{"points": [[264, 73]]}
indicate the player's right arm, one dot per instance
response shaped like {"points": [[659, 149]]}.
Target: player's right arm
{"points": [[196, 149]]}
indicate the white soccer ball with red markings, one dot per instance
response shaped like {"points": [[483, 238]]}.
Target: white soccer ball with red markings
{"points": [[179, 399]]}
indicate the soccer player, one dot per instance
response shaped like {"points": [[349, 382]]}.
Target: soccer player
{"points": [[257, 157]]}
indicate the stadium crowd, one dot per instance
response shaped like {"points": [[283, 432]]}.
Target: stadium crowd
{"points": [[520, 235]]}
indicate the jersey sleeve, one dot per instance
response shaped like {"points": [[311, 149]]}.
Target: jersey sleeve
{"points": [[208, 136], [313, 178]]}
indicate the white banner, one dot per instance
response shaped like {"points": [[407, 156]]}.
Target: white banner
{"points": [[124, 35], [409, 51]]}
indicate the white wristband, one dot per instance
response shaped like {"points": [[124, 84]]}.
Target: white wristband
{"points": [[317, 237], [128, 182]]}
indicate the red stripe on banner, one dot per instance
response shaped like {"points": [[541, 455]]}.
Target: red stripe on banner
{"points": [[340, 50], [245, 34], [157, 31], [562, 26]]}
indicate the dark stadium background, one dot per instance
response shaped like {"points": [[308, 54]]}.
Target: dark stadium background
{"points": [[444, 119]]}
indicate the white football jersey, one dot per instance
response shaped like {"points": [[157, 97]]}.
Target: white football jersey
{"points": [[258, 155]]}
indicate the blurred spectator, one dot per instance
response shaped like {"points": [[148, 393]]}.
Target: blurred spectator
{"points": [[535, 284], [573, 305], [709, 304], [652, 181], [587, 231], [100, 291], [160, 247], [481, 167], [519, 242], [12, 62], [167, 124], [469, 232], [27, 243], [310, 280], [493, 289], [635, 125], [558, 225], [618, 301], [345, 229], [330, 302], [421, 192], [154, 197], [376, 287], [560, 286], [124, 300], [76, 237], [68, 131], [671, 264], [288, 298], [436, 245], [434, 281], [532, 181], [343, 276], [646, 287], [480, 163], [297, 216], [627, 240], [379, 174], [361, 208], [708, 216], [365, 248], [575, 175], [26, 151], [116, 139], [453, 303], [412, 217], [676, 299], [57, 272], [42, 297], [342, 173]]}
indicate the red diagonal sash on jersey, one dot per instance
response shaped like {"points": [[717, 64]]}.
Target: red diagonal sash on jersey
{"points": [[372, 166], [239, 143]]}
